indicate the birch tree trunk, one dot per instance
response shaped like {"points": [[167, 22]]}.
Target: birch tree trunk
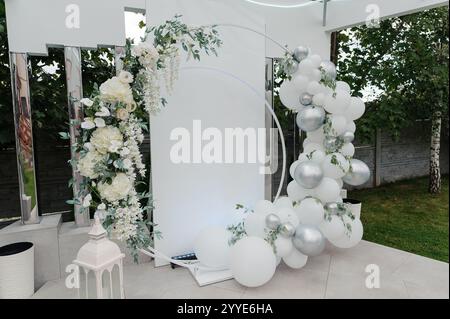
{"points": [[435, 170]]}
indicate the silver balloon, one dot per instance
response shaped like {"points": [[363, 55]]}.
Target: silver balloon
{"points": [[272, 221], [309, 240], [287, 230], [332, 208], [291, 68], [308, 174], [348, 137], [330, 144], [311, 118], [328, 70], [358, 174], [306, 99], [301, 53]]}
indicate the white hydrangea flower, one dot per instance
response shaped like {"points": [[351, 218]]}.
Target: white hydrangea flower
{"points": [[114, 90], [87, 164], [117, 190], [105, 138]]}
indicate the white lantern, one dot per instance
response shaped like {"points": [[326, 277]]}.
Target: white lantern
{"points": [[100, 262]]}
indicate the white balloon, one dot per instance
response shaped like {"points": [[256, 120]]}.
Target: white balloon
{"points": [[288, 215], [341, 85], [283, 202], [355, 237], [296, 192], [339, 200], [335, 165], [338, 124], [315, 60], [328, 190], [348, 149], [333, 229], [307, 141], [318, 156], [278, 260], [340, 182], [255, 225], [315, 75], [300, 84], [356, 109], [310, 211], [319, 99], [288, 95], [302, 158], [311, 147], [295, 259], [337, 103], [264, 207], [313, 88], [351, 126], [283, 246], [212, 248], [293, 167], [305, 67], [253, 262], [316, 136]]}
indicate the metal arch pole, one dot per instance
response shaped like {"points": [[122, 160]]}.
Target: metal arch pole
{"points": [[72, 58], [26, 168]]}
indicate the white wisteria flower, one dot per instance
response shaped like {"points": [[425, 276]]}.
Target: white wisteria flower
{"points": [[119, 188], [126, 77], [104, 111], [114, 90], [86, 101], [86, 165], [106, 138], [88, 124]]}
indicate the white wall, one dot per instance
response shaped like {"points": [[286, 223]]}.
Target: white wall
{"points": [[190, 197]]}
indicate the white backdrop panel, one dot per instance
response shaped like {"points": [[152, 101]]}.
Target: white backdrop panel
{"points": [[190, 197]]}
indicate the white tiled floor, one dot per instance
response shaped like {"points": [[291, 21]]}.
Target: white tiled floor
{"points": [[335, 274]]}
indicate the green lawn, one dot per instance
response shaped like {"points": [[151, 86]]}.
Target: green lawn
{"points": [[405, 216]]}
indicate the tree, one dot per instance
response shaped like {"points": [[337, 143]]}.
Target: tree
{"points": [[405, 61]]}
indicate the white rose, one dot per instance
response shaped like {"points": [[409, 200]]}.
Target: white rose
{"points": [[87, 164], [114, 90], [122, 114], [105, 138], [117, 190], [126, 77]]}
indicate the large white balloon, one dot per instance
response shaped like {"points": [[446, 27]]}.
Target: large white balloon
{"points": [[315, 60], [315, 75], [283, 246], [293, 167], [335, 165], [255, 225], [328, 190], [337, 103], [341, 85], [319, 99], [351, 126], [310, 211], [356, 235], [289, 95], [305, 67], [283, 202], [338, 124], [356, 109], [348, 149], [300, 84], [318, 156], [295, 259], [296, 192], [316, 136], [333, 229], [212, 248], [311, 147], [253, 262], [313, 88]]}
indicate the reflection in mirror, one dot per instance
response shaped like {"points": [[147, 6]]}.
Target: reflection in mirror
{"points": [[24, 138]]}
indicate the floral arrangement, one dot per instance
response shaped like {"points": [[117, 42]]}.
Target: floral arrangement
{"points": [[116, 118]]}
